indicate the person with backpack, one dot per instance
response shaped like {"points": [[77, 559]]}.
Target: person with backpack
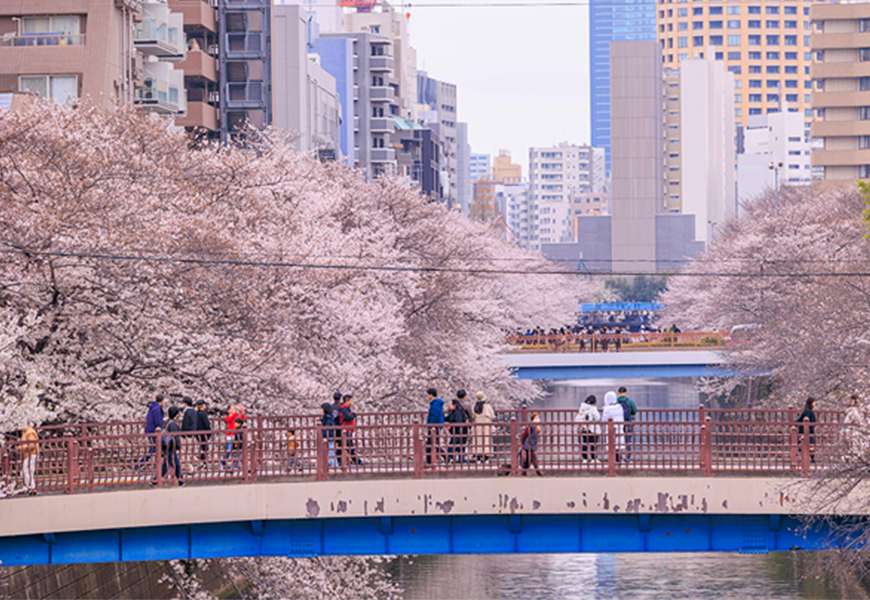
{"points": [[347, 422], [808, 416], [482, 416], [188, 417], [153, 422], [327, 421], [457, 418], [587, 427], [529, 445], [202, 424], [629, 409], [170, 446]]}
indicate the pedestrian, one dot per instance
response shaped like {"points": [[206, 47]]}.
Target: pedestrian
{"points": [[188, 417], [855, 426], [293, 450], [435, 422], [29, 456], [336, 404], [202, 424], [170, 446], [457, 418], [482, 415], [327, 421], [235, 419], [612, 412], [587, 427], [529, 443], [153, 422], [808, 416], [347, 422], [629, 410]]}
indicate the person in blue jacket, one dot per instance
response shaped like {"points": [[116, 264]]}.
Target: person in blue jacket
{"points": [[435, 420], [153, 422]]}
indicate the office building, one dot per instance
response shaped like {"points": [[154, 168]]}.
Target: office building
{"points": [[699, 137], [305, 100], [766, 45], [479, 165], [766, 142], [418, 158], [842, 96], [609, 21], [504, 170], [463, 168], [437, 109], [588, 205], [111, 52]]}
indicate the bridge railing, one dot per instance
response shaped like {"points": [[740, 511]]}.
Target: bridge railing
{"points": [[617, 342], [703, 441]]}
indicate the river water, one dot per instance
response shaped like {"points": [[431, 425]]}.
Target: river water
{"points": [[641, 576]]}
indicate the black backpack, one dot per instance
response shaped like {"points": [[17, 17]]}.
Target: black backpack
{"points": [[626, 411], [478, 407]]}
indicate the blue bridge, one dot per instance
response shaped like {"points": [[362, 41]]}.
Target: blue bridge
{"points": [[618, 365]]}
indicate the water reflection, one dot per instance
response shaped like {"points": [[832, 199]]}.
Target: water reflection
{"points": [[599, 576]]}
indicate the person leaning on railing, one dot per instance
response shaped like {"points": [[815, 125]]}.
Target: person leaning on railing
{"points": [[29, 456]]}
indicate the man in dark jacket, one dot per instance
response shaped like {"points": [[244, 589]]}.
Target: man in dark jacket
{"points": [[153, 422], [171, 444], [202, 424], [435, 420], [328, 423], [188, 419], [457, 418]]}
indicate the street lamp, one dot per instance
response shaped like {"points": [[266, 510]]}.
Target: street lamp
{"points": [[775, 167]]}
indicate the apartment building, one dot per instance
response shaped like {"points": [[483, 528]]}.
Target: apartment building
{"points": [[766, 45], [588, 205], [557, 172], [766, 142], [479, 165], [200, 67], [504, 170], [842, 96], [612, 22], [436, 108], [111, 52]]}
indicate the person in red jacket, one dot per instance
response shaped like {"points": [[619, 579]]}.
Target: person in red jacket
{"points": [[235, 420], [347, 421]]}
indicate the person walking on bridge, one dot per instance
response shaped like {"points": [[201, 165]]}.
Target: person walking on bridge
{"points": [[347, 421], [29, 454], [153, 422], [457, 417], [629, 409], [482, 415], [170, 446], [587, 427], [435, 421], [203, 424], [612, 412], [529, 443]]}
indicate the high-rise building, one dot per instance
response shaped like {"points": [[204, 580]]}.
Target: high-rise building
{"points": [[305, 100], [112, 52], [842, 96], [612, 21], [437, 109], [479, 165], [201, 74], [699, 136], [766, 45], [463, 167], [504, 170], [558, 172]]}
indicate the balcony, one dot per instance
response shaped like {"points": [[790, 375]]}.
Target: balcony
{"points": [[42, 39], [381, 94], [356, 123], [827, 41], [840, 158], [199, 114], [382, 155], [827, 99], [196, 13], [244, 95], [356, 92], [160, 96], [381, 63], [199, 64], [380, 125], [839, 69], [244, 45], [154, 37], [822, 129], [355, 62]]}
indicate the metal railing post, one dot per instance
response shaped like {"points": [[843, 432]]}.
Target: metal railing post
{"points": [[70, 474], [246, 459], [158, 457], [805, 451], [611, 448], [707, 446], [89, 464], [417, 442], [513, 432], [321, 448], [792, 446]]}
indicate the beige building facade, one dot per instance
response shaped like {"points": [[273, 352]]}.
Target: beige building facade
{"points": [[504, 170], [766, 45], [842, 97]]}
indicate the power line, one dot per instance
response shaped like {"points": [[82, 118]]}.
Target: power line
{"points": [[390, 268]]}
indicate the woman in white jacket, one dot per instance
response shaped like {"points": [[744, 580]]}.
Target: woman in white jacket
{"points": [[587, 419], [612, 412]]}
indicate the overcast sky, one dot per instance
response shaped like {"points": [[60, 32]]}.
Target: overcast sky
{"points": [[522, 74]]}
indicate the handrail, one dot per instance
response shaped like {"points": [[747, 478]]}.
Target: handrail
{"points": [[43, 39], [703, 442], [617, 342]]}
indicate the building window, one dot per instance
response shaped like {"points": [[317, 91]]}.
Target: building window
{"points": [[791, 70], [734, 40], [716, 56], [698, 40], [715, 10], [772, 24], [864, 54], [733, 10], [755, 97], [790, 40], [738, 112], [771, 10], [683, 26], [789, 10], [738, 98], [50, 30], [808, 84], [376, 29], [773, 83], [773, 98], [715, 24], [864, 84], [734, 69], [791, 56], [61, 89], [682, 42], [789, 24], [754, 83], [772, 55], [755, 69], [753, 10], [863, 25], [773, 69], [864, 142], [791, 98], [715, 40], [754, 111], [733, 55], [773, 40], [738, 83], [864, 171], [753, 24], [791, 83], [696, 25], [697, 11], [865, 113], [754, 40], [733, 23], [682, 12]]}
